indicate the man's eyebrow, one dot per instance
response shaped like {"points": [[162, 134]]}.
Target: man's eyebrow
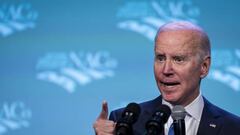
{"points": [[180, 55], [159, 53]]}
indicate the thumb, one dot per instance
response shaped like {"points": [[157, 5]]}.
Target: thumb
{"points": [[104, 112]]}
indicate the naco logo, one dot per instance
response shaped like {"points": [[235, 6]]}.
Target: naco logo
{"points": [[226, 67], [16, 17], [69, 70], [14, 116]]}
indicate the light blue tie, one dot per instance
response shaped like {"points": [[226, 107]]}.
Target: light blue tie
{"points": [[171, 130]]}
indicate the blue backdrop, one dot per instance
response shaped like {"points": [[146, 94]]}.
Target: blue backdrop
{"points": [[60, 59]]}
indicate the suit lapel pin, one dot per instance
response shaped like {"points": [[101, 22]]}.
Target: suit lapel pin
{"points": [[213, 125]]}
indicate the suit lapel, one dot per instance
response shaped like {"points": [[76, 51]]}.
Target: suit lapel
{"points": [[210, 122], [148, 110]]}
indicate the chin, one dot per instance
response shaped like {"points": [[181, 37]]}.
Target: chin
{"points": [[170, 98]]}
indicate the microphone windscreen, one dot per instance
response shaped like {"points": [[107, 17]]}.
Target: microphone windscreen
{"points": [[178, 112], [133, 108], [166, 112]]}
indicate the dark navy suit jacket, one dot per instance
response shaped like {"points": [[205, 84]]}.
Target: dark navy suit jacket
{"points": [[214, 120]]}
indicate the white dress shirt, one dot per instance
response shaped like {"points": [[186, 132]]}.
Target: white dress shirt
{"points": [[193, 117]]}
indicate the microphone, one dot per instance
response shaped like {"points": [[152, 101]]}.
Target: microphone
{"points": [[129, 117], [155, 126], [178, 115]]}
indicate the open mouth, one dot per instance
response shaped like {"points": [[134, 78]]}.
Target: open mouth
{"points": [[168, 84]]}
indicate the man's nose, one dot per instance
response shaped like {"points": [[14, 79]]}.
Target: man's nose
{"points": [[167, 68]]}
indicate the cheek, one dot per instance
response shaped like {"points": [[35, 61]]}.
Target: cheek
{"points": [[186, 74], [190, 78], [191, 71], [157, 71]]}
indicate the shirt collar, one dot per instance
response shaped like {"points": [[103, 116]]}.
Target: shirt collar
{"points": [[194, 109]]}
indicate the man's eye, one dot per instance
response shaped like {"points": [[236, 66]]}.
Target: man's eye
{"points": [[160, 58], [179, 59]]}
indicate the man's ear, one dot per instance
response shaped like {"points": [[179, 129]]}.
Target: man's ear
{"points": [[205, 66]]}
